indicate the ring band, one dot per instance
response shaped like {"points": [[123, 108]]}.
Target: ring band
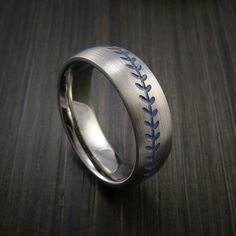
{"points": [[144, 100]]}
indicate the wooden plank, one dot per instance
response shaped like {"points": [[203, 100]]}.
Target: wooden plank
{"points": [[190, 46]]}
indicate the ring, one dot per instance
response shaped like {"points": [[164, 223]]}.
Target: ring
{"points": [[145, 103]]}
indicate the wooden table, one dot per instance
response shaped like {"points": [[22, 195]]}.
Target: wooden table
{"points": [[190, 46]]}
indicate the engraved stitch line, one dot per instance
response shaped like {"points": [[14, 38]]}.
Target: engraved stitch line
{"points": [[148, 101]]}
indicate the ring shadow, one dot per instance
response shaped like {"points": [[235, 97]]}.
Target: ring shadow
{"points": [[136, 207]]}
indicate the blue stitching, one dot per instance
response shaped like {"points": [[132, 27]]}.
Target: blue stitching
{"points": [[153, 136]]}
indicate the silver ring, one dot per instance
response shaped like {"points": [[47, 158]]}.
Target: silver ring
{"points": [[144, 100]]}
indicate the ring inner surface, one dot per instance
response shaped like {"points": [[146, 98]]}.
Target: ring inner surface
{"points": [[89, 108]]}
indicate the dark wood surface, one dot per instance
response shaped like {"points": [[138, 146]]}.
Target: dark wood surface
{"points": [[190, 46]]}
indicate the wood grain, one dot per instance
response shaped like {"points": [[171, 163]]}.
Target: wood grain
{"points": [[190, 46]]}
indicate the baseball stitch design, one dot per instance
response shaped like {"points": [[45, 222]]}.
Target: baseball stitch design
{"points": [[152, 123]]}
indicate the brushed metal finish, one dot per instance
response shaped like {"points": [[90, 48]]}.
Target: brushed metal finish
{"points": [[145, 103]]}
